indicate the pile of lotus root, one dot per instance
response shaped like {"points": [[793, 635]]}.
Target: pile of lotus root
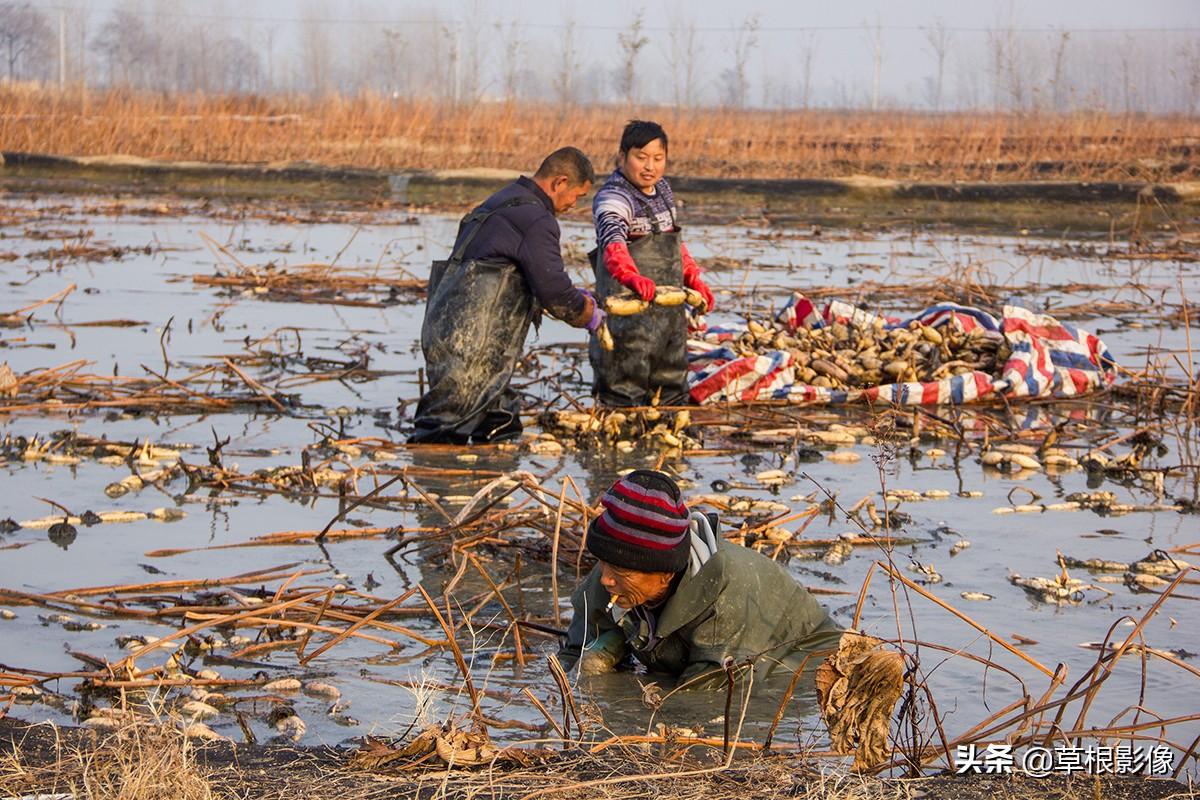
{"points": [[841, 356]]}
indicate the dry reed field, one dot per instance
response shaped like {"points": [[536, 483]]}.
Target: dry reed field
{"points": [[384, 133]]}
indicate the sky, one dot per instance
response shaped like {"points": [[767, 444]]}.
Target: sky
{"points": [[831, 47]]}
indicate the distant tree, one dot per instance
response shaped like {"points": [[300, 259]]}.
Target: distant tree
{"points": [[681, 57], [1014, 66], [471, 84], [1057, 96], [387, 63], [631, 41], [26, 40], [1010, 62], [875, 41], [939, 38], [1125, 52], [453, 51], [316, 53], [512, 56], [239, 69], [568, 65], [1190, 76], [808, 52], [126, 46], [735, 84]]}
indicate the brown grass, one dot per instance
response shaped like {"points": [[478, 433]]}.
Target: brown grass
{"points": [[378, 132], [138, 762]]}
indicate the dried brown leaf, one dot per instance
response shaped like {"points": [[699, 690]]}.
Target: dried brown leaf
{"points": [[8, 381], [857, 688]]}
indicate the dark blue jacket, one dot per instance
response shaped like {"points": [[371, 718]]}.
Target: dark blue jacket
{"points": [[528, 236]]}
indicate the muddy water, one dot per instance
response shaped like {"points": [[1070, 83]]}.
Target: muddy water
{"points": [[152, 286]]}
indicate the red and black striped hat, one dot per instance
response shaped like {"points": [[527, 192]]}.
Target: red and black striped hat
{"points": [[644, 525]]}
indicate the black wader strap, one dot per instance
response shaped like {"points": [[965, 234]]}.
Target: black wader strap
{"points": [[479, 216], [649, 212]]}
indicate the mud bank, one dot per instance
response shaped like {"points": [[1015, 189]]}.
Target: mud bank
{"points": [[55, 761], [1043, 206]]}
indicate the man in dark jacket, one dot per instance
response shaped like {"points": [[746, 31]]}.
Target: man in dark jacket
{"points": [[671, 592], [506, 267]]}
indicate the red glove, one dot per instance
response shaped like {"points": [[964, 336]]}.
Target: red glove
{"points": [[625, 272], [691, 277]]}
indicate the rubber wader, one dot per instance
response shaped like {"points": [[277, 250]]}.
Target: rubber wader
{"points": [[650, 348], [477, 315]]}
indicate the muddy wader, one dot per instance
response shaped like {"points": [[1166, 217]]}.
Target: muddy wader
{"points": [[650, 348], [477, 315]]}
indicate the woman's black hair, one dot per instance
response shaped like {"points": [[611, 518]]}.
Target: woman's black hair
{"points": [[641, 132]]}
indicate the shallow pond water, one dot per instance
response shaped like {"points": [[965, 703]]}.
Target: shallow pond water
{"points": [[759, 266]]}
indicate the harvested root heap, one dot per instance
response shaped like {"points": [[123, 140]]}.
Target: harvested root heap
{"points": [[947, 354], [843, 356]]}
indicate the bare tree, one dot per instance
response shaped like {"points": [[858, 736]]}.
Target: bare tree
{"points": [[875, 42], [432, 59], [127, 47], [26, 40], [1128, 89], [268, 39], [239, 68], [681, 57], [74, 37], [1056, 79], [736, 85], [390, 56], [939, 42], [1014, 69], [1190, 58], [511, 58], [808, 52], [568, 65], [631, 42], [995, 45], [471, 82], [315, 54]]}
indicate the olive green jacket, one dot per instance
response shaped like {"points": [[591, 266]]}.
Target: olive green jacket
{"points": [[739, 604]]}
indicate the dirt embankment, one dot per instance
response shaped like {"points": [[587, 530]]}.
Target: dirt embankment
{"points": [[1040, 207], [398, 183]]}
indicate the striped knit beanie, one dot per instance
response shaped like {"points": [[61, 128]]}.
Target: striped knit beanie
{"points": [[644, 525]]}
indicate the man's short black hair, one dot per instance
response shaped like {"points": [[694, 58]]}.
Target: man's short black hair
{"points": [[568, 161], [641, 132]]}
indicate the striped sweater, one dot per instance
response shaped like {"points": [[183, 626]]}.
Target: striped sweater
{"points": [[619, 210]]}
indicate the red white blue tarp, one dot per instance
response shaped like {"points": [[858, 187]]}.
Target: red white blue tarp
{"points": [[1049, 359]]}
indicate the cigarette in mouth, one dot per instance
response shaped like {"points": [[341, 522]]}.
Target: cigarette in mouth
{"points": [[611, 602]]}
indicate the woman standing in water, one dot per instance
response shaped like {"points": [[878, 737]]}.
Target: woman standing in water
{"points": [[638, 247]]}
